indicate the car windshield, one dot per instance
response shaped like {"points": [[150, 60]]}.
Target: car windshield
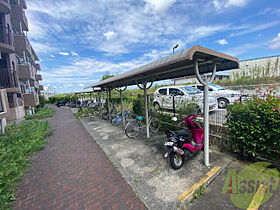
{"points": [[191, 90], [218, 87]]}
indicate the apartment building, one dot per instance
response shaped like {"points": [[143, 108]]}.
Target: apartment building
{"points": [[19, 64]]}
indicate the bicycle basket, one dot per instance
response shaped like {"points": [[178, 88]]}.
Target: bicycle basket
{"points": [[139, 118]]}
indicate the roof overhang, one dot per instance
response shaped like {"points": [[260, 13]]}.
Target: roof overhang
{"points": [[180, 64], [94, 90]]}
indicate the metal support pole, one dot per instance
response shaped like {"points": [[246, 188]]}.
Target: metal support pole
{"points": [[146, 105], [205, 108], [2, 127], [17, 105], [146, 110], [109, 99], [173, 101], [98, 97], [120, 90], [206, 124], [122, 111]]}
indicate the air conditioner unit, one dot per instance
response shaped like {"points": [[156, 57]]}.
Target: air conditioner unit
{"points": [[28, 112]]}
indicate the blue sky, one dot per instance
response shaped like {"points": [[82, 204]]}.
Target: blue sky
{"points": [[79, 41]]}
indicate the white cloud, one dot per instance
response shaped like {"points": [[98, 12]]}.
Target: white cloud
{"points": [[63, 53], [239, 50], [74, 53], [43, 47], [52, 56], [158, 6], [275, 43], [222, 4], [89, 70], [222, 41], [81, 85], [110, 35], [117, 27], [254, 28], [237, 3], [204, 31]]}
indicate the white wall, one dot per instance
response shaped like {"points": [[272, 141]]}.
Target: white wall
{"points": [[257, 68]]}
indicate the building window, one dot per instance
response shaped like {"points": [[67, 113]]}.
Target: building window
{"points": [[22, 88], [1, 106]]}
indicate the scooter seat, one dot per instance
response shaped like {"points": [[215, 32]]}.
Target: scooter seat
{"points": [[182, 132]]}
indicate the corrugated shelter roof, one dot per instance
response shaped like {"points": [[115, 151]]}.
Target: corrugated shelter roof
{"points": [[176, 65]]}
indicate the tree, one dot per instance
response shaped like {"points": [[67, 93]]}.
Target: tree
{"points": [[107, 76]]}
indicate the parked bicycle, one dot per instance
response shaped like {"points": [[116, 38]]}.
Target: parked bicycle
{"points": [[94, 108], [105, 111], [117, 118], [133, 128]]}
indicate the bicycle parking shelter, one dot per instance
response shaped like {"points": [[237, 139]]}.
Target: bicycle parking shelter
{"points": [[195, 60], [95, 90]]}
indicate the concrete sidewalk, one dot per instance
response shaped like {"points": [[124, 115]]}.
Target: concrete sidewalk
{"points": [[72, 172], [214, 198], [141, 163]]}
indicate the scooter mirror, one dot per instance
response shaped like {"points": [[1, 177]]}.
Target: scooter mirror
{"points": [[174, 119]]}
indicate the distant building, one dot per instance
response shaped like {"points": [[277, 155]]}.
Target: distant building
{"points": [[48, 92], [257, 67], [251, 68], [192, 79]]}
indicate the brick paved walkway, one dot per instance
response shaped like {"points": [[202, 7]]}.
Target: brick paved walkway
{"points": [[72, 172]]}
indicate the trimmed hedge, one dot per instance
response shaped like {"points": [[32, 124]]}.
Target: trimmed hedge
{"points": [[254, 127]]}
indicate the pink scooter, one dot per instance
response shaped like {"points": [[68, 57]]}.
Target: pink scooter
{"points": [[183, 143]]}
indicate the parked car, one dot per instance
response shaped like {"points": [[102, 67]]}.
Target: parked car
{"points": [[223, 96], [163, 97]]}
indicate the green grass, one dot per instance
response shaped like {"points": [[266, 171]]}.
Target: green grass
{"points": [[16, 145], [41, 113], [137, 180]]}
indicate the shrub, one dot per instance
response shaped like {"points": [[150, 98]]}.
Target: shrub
{"points": [[41, 101], [16, 145], [41, 113], [254, 126], [187, 109]]}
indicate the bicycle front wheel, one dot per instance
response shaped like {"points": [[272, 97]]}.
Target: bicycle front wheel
{"points": [[154, 124], [132, 129], [105, 115]]}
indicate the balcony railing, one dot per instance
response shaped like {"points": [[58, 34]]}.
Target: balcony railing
{"points": [[20, 3], [5, 7], [17, 16], [30, 99], [6, 35], [22, 43], [8, 79], [39, 77], [25, 72]]}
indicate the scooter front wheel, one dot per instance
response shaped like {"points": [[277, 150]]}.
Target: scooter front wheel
{"points": [[176, 160]]}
